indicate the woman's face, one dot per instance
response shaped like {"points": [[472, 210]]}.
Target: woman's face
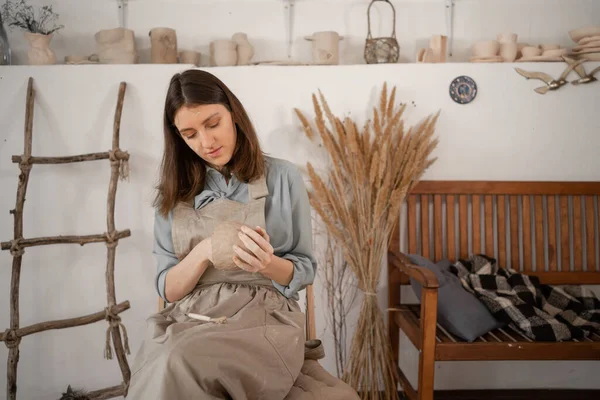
{"points": [[209, 131]]}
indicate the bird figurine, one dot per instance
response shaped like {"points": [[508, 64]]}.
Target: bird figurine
{"points": [[551, 83], [583, 76]]}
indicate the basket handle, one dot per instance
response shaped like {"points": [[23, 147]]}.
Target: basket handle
{"points": [[369, 36]]}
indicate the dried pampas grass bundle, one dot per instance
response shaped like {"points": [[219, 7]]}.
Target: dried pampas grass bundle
{"points": [[372, 171]]}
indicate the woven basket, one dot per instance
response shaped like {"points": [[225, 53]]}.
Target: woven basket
{"points": [[382, 49]]}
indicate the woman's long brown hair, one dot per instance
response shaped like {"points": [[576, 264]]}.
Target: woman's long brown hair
{"points": [[182, 172]]}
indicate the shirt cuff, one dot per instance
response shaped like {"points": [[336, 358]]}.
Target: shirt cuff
{"points": [[296, 284], [161, 283]]}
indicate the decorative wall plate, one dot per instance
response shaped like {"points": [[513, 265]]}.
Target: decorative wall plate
{"points": [[463, 90]]}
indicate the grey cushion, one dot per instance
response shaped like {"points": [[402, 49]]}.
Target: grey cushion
{"points": [[459, 312]]}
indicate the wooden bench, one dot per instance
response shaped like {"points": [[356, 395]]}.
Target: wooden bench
{"points": [[548, 229]]}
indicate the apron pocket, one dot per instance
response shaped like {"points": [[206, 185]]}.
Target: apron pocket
{"points": [[285, 332]]}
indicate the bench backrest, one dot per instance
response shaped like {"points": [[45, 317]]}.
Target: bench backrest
{"points": [[549, 229]]}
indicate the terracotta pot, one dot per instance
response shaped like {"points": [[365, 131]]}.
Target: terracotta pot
{"points": [[39, 52]]}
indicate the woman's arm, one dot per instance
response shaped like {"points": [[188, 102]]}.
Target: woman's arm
{"points": [[183, 277], [300, 255], [175, 278], [295, 267]]}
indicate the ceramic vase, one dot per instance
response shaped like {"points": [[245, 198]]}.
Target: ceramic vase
{"points": [[115, 46], [325, 47], [245, 51], [224, 52], [39, 52], [438, 44], [164, 46]]}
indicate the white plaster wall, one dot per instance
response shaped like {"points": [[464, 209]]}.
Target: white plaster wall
{"points": [[508, 132], [199, 21]]}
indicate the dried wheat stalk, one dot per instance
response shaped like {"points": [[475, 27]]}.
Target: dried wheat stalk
{"points": [[373, 169], [340, 287]]}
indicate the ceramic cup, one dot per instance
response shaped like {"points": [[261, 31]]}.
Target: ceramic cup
{"points": [[507, 37], [508, 51], [531, 51], [224, 52], [189, 57], [486, 48]]}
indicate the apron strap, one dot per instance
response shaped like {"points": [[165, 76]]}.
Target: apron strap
{"points": [[258, 189]]}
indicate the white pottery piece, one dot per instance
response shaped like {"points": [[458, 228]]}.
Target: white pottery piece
{"points": [[508, 51], [115, 46], [224, 52], [245, 51], [507, 37], [588, 39], [531, 51], [163, 46], [39, 52], [486, 48], [580, 33], [325, 47], [437, 44], [189, 57]]}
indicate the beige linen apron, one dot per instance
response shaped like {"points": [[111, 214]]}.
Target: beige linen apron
{"points": [[256, 354]]}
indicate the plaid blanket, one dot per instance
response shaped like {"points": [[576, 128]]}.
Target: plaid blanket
{"points": [[541, 312]]}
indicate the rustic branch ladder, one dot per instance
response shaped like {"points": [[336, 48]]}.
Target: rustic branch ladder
{"points": [[12, 336]]}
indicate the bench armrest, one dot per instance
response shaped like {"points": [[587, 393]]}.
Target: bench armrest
{"points": [[425, 277]]}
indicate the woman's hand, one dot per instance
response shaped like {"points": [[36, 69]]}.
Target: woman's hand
{"points": [[259, 254]]}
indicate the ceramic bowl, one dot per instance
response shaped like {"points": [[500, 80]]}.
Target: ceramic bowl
{"points": [[486, 48]]}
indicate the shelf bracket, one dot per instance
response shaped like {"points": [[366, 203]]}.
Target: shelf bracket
{"points": [[288, 9], [122, 8], [450, 25]]}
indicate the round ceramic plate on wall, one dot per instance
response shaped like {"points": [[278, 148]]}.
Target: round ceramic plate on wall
{"points": [[463, 90]]}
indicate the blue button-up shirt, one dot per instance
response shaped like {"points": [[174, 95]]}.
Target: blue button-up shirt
{"points": [[287, 215]]}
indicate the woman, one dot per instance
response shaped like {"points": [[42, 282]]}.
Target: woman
{"points": [[234, 328]]}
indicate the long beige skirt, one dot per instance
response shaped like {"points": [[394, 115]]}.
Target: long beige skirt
{"points": [[256, 354]]}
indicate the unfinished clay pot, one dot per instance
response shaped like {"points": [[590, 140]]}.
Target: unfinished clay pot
{"points": [[39, 52], [189, 57], [245, 51], [224, 52], [508, 51], [116, 46], [163, 46], [224, 237], [325, 47], [438, 44]]}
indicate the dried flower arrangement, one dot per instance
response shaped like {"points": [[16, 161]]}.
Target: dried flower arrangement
{"points": [[373, 170], [21, 15]]}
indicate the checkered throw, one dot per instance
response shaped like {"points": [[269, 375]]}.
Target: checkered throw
{"points": [[541, 312]]}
